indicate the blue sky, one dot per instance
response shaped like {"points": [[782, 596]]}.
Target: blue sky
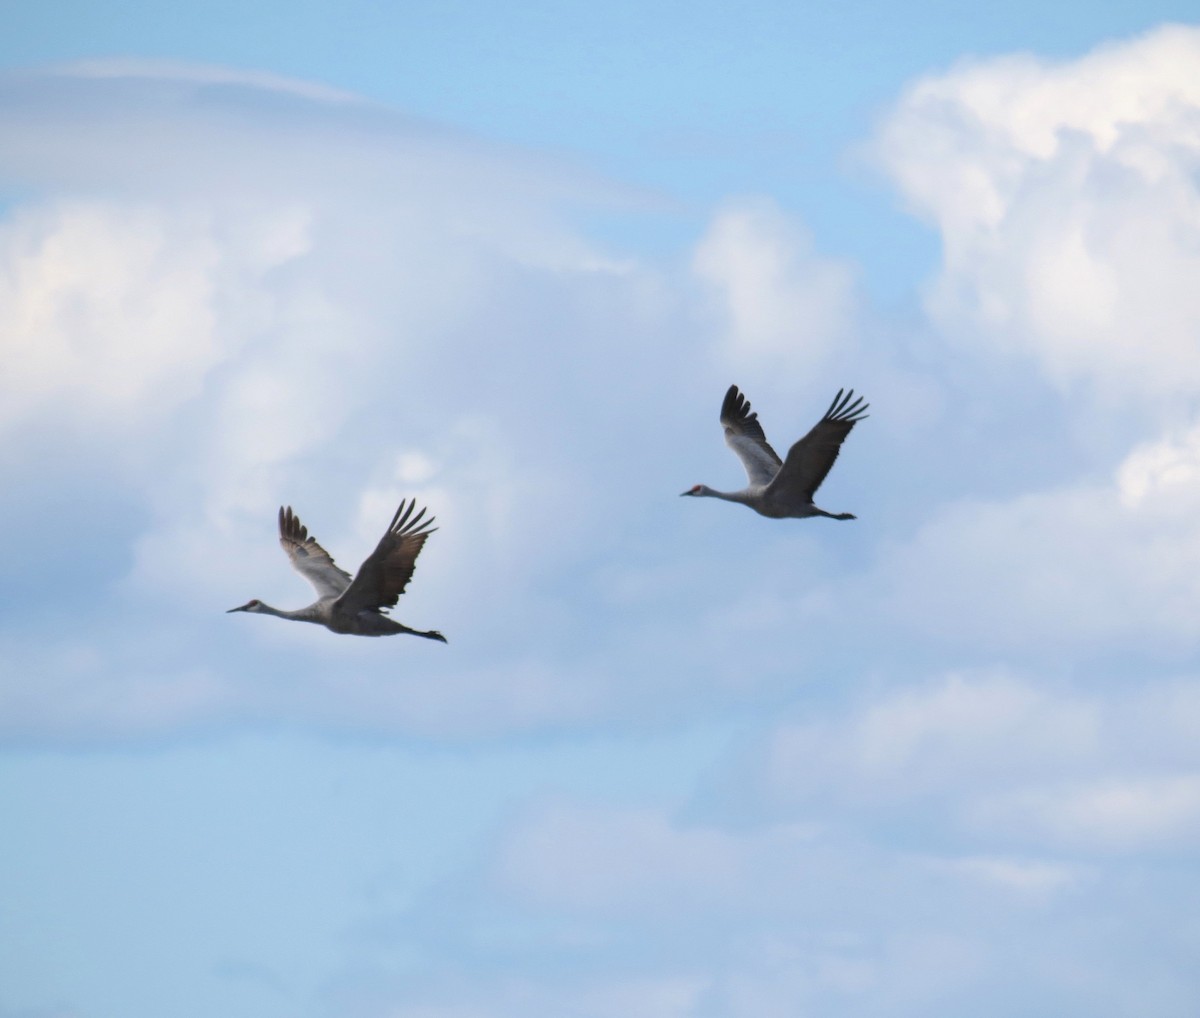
{"points": [[676, 759]]}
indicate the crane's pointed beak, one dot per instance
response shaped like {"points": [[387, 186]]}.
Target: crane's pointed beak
{"points": [[690, 491], [240, 608]]}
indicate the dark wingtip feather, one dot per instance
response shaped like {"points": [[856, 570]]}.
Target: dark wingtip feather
{"points": [[402, 512], [842, 409], [404, 524], [290, 526], [736, 407], [412, 524], [829, 412]]}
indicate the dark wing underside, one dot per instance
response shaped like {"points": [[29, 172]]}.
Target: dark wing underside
{"points": [[811, 458], [383, 576]]}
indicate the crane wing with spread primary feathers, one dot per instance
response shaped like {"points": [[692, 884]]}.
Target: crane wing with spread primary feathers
{"points": [[810, 459], [383, 576]]}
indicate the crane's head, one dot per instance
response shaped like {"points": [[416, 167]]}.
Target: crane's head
{"points": [[696, 489], [253, 605]]}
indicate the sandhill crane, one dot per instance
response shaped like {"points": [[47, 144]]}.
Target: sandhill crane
{"points": [[353, 606], [784, 488]]}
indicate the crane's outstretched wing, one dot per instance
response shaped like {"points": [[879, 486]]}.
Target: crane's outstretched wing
{"points": [[812, 457], [383, 576], [308, 558], [744, 435]]}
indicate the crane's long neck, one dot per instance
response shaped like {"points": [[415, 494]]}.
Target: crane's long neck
{"points": [[741, 497], [299, 615]]}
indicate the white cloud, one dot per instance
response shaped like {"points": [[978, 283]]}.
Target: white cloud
{"points": [[1121, 814], [1163, 476], [924, 742], [106, 311], [1067, 201], [1000, 758], [228, 304], [1082, 566], [784, 307], [1035, 877]]}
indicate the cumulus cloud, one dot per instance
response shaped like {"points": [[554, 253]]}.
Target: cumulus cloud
{"points": [[1065, 194], [107, 312], [242, 293], [1089, 565], [784, 307], [229, 292]]}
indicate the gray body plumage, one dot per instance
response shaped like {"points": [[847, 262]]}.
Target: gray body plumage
{"points": [[784, 488]]}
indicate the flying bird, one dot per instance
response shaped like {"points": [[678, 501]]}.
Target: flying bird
{"points": [[357, 606], [784, 488]]}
